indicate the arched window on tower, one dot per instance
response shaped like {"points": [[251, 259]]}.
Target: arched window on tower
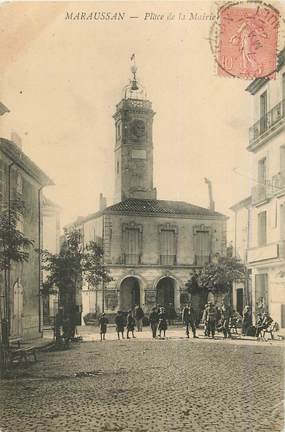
{"points": [[119, 130]]}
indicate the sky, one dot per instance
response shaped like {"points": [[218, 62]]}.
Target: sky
{"points": [[62, 79]]}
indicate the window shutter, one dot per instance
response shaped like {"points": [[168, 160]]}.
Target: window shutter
{"points": [[262, 229]]}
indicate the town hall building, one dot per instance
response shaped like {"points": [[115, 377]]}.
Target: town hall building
{"points": [[151, 246]]}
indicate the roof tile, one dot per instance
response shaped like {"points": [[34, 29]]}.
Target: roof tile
{"points": [[146, 206]]}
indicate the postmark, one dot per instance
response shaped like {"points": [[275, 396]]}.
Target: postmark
{"points": [[244, 40]]}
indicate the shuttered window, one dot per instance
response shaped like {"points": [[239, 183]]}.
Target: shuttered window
{"points": [[202, 247], [262, 229], [132, 245], [261, 175], [167, 247]]}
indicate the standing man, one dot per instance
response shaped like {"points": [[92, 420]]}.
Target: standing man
{"points": [[120, 324], [226, 316], [188, 318], [210, 319], [246, 320], [153, 320], [171, 314], [139, 314]]}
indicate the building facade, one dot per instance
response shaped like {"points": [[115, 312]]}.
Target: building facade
{"points": [[242, 292], [151, 246], [50, 242], [21, 179], [266, 252]]}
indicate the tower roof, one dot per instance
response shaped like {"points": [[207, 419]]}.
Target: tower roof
{"points": [[134, 90]]}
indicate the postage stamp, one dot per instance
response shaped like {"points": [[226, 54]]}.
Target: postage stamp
{"points": [[247, 40]]}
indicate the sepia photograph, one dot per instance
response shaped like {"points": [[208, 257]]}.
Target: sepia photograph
{"points": [[142, 216]]}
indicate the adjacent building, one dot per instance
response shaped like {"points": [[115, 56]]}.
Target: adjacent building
{"points": [[266, 233], [50, 242], [151, 246], [21, 303]]}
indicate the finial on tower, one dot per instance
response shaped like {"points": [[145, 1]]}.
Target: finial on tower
{"points": [[134, 90], [134, 71]]}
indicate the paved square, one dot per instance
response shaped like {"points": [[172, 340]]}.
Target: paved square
{"points": [[145, 385]]}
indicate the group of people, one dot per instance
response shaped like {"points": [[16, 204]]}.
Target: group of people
{"points": [[133, 319], [222, 319], [157, 320], [218, 319]]}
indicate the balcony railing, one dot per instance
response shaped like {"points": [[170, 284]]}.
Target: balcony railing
{"points": [[278, 183], [131, 259], [201, 260], [265, 123], [262, 192], [167, 259]]}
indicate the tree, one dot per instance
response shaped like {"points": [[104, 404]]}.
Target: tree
{"points": [[14, 245], [71, 266], [14, 248], [219, 275]]}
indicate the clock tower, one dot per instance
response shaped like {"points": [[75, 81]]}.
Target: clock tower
{"points": [[133, 144]]}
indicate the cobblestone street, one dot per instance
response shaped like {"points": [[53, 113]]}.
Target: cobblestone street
{"points": [[147, 385]]}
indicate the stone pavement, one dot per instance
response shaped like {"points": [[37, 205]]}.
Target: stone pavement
{"points": [[145, 385]]}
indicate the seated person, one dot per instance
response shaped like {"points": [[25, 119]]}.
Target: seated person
{"points": [[263, 323]]}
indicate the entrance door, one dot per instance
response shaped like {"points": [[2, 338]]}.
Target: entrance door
{"points": [[165, 292], [129, 294], [17, 328], [239, 300]]}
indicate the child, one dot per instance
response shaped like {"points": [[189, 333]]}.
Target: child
{"points": [[162, 323], [120, 324], [130, 324], [103, 321]]}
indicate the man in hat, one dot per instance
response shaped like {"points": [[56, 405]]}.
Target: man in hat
{"points": [[153, 320], [188, 318], [103, 321], [139, 315], [210, 319], [226, 316]]}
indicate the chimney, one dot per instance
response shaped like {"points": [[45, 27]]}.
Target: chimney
{"points": [[102, 202], [211, 201]]}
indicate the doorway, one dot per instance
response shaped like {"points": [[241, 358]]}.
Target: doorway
{"points": [[17, 328], [129, 293], [165, 292], [239, 298]]}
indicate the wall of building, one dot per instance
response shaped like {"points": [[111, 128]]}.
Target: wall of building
{"points": [[25, 277], [93, 230], [241, 233], [150, 237], [149, 271], [268, 261], [274, 95]]}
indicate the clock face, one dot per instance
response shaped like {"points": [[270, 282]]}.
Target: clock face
{"points": [[138, 128]]}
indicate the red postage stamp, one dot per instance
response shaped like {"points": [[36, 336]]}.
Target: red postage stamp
{"points": [[247, 45]]}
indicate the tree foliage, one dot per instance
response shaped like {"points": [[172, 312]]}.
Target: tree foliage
{"points": [[219, 275], [73, 264], [14, 245]]}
